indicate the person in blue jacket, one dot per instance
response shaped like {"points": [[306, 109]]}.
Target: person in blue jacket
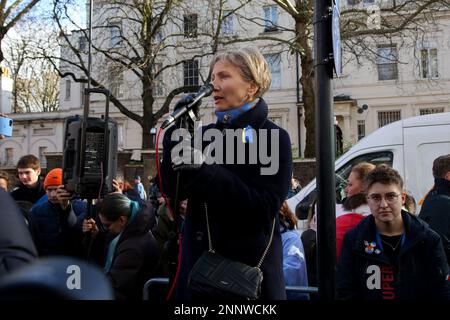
{"points": [[56, 225], [391, 254], [240, 190], [294, 263]]}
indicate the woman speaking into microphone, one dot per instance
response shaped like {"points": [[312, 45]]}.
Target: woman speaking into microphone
{"points": [[237, 183]]}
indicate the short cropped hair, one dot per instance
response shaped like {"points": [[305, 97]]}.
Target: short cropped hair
{"points": [[29, 161], [383, 174], [441, 165], [252, 65]]}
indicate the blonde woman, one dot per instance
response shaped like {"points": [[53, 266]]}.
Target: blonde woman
{"points": [[241, 198]]}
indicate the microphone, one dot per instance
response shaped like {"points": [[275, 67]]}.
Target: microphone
{"points": [[204, 91]]}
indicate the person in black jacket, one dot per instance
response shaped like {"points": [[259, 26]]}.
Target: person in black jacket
{"points": [[240, 190], [436, 206], [16, 245], [391, 254], [131, 253], [31, 187]]}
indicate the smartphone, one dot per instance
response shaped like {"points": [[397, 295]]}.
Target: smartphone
{"points": [[6, 126]]}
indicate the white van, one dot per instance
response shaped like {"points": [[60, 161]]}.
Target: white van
{"points": [[409, 146]]}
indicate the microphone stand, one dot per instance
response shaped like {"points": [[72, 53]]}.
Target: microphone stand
{"points": [[184, 124]]}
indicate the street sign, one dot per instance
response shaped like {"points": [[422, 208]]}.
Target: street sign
{"points": [[337, 55]]}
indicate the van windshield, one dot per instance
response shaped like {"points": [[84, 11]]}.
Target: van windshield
{"points": [[341, 178]]}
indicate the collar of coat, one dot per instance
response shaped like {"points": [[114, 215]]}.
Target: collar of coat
{"points": [[441, 186], [366, 232], [255, 117]]}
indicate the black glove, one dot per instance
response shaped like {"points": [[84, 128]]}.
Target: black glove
{"points": [[188, 158]]}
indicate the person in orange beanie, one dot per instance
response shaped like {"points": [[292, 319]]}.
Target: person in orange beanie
{"points": [[56, 224]]}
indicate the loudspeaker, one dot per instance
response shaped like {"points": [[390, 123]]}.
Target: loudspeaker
{"points": [[89, 173]]}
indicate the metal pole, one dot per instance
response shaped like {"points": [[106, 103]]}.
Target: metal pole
{"points": [[326, 211], [86, 94], [297, 78]]}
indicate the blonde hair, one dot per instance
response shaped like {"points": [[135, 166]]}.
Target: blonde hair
{"points": [[363, 169], [251, 64]]}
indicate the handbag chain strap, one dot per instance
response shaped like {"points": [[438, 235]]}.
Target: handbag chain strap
{"points": [[265, 251]]}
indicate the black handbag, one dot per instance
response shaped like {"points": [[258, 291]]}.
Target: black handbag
{"points": [[216, 277]]}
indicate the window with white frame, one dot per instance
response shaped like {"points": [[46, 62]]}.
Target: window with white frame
{"points": [[429, 63], [116, 84], [424, 111], [270, 18], [157, 82], [190, 25], [274, 62], [82, 43], [386, 117], [115, 37], [190, 73], [361, 125], [387, 62], [42, 158], [68, 89], [9, 156], [278, 120], [227, 23]]}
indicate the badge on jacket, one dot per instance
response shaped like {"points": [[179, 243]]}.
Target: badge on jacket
{"points": [[370, 247]]}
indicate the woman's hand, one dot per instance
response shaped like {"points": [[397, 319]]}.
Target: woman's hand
{"points": [[90, 226]]}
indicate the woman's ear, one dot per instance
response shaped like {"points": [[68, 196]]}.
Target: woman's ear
{"points": [[123, 220], [252, 90]]}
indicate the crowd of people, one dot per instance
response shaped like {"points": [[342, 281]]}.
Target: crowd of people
{"points": [[384, 250]]}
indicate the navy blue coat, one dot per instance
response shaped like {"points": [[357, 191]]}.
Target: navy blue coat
{"points": [[365, 273], [436, 211], [16, 245], [241, 202], [56, 231]]}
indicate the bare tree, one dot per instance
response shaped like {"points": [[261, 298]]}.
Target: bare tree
{"points": [[35, 83], [10, 13], [145, 46], [362, 26]]}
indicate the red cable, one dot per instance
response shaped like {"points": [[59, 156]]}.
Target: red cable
{"points": [[180, 238]]}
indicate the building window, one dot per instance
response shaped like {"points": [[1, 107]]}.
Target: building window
{"points": [[115, 37], [42, 158], [425, 111], [278, 120], [361, 124], [387, 62], [157, 82], [42, 131], [429, 63], [386, 117], [227, 24], [274, 62], [190, 26], [82, 43], [270, 18], [190, 72], [9, 156], [68, 88], [117, 84]]}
